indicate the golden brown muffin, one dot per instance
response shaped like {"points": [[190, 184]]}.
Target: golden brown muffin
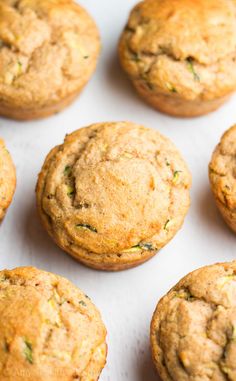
{"points": [[113, 194], [222, 174], [181, 54], [49, 330], [7, 179], [48, 52], [193, 331]]}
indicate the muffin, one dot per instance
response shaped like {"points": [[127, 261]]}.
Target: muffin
{"points": [[7, 179], [181, 54], [193, 331], [113, 194], [48, 52], [222, 174], [49, 330]]}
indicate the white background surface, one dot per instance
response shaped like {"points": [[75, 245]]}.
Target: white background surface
{"points": [[126, 299]]}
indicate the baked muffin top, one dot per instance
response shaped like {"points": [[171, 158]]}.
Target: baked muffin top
{"points": [[114, 188], [222, 170], [180, 46], [49, 329], [7, 179], [48, 50], [193, 329]]}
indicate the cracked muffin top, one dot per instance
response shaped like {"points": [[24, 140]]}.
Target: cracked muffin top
{"points": [[180, 46], [222, 174], [7, 179], [48, 50], [49, 329], [113, 188], [193, 331]]}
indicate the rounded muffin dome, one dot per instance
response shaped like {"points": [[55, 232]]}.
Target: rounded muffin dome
{"points": [[7, 179], [193, 328], [113, 194], [222, 174], [49, 329], [48, 52], [175, 53]]}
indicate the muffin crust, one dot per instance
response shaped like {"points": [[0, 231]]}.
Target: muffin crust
{"points": [[113, 194], [176, 55], [48, 52], [49, 329], [222, 174], [7, 179], [193, 328]]}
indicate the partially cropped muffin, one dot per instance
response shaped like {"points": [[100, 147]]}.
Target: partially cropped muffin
{"points": [[193, 331], [222, 174], [48, 52], [49, 330], [7, 179], [181, 54], [113, 194]]}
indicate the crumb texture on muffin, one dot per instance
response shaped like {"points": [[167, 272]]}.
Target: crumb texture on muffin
{"points": [[48, 51], [193, 331], [113, 193], [222, 174], [176, 49], [49, 330], [7, 179]]}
